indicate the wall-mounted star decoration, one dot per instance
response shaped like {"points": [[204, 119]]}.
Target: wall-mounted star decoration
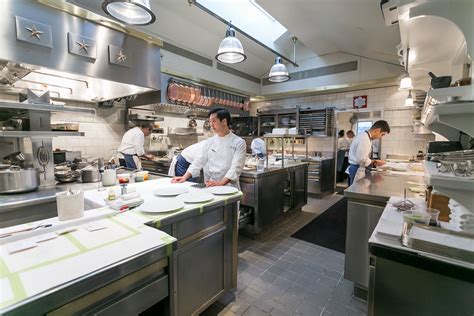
{"points": [[83, 46], [34, 32], [121, 57]]}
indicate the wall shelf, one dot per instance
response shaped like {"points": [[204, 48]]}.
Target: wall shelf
{"points": [[460, 189], [44, 107], [38, 134]]}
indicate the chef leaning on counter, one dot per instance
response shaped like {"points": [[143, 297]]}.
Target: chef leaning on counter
{"points": [[361, 149], [132, 146], [222, 156], [181, 163]]}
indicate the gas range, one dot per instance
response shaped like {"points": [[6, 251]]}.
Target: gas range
{"points": [[160, 166]]}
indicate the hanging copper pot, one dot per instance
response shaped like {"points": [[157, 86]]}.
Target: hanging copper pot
{"points": [[173, 91], [197, 95]]}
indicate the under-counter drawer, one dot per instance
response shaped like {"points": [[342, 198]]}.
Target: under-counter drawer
{"points": [[196, 224]]}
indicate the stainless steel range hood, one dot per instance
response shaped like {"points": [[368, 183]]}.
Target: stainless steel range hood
{"points": [[47, 49]]}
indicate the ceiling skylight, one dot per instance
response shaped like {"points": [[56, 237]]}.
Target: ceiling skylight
{"points": [[248, 16]]}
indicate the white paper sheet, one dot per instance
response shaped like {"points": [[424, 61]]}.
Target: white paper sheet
{"points": [[443, 239], [45, 251], [100, 237], [6, 292]]}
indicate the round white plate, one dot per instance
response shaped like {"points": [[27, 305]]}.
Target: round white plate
{"points": [[196, 197], [222, 190], [163, 205], [172, 190]]}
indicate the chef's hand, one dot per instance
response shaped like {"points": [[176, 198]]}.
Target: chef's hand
{"points": [[220, 183], [149, 157], [379, 163], [178, 179]]}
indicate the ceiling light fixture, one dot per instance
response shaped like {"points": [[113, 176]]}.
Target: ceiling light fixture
{"points": [[406, 82], [409, 100], [278, 72], [230, 50], [133, 12]]}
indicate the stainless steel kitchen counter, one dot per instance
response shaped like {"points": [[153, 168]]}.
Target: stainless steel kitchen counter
{"points": [[380, 187], [366, 199], [271, 171]]}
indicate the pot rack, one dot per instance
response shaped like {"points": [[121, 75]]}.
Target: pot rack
{"points": [[211, 91]]}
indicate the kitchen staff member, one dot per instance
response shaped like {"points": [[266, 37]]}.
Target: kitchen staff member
{"points": [[223, 155], [181, 163], [361, 149], [132, 146], [258, 147]]}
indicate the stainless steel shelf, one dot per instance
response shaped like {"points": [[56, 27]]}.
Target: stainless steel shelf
{"points": [[38, 134], [44, 107]]}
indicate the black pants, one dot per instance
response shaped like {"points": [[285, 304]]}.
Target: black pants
{"points": [[342, 175]]}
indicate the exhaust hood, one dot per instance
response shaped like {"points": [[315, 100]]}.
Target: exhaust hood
{"points": [[44, 49]]}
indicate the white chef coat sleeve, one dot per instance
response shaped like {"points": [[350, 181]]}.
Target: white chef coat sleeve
{"points": [[363, 152], [139, 143], [200, 161], [238, 162]]}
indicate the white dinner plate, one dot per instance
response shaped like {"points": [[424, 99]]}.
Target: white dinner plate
{"points": [[222, 190], [161, 205], [172, 190], [196, 197]]}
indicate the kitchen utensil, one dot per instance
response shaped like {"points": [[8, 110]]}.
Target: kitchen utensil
{"points": [[222, 190], [404, 205], [16, 158], [42, 155], [173, 190], [70, 206], [196, 197], [90, 174], [439, 82], [192, 122], [207, 125], [109, 177], [17, 180], [66, 176], [162, 205], [173, 91]]}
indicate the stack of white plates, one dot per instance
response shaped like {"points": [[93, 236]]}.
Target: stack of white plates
{"points": [[461, 219]]}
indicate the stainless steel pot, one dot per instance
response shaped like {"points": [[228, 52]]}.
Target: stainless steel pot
{"points": [[16, 180], [90, 175]]}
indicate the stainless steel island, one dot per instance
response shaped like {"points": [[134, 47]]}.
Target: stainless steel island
{"points": [[367, 198], [206, 254], [270, 194]]}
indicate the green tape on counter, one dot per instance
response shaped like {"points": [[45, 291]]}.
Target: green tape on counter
{"points": [[169, 247], [4, 271], [17, 288], [75, 242]]}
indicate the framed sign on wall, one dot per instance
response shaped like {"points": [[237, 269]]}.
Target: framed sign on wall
{"points": [[359, 102]]}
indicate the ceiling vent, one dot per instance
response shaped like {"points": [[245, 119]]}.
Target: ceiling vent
{"points": [[390, 11]]}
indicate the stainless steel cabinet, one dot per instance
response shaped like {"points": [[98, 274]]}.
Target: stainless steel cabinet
{"points": [[321, 177]]}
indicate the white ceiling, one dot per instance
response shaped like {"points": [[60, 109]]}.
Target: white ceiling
{"points": [[328, 26], [321, 26]]}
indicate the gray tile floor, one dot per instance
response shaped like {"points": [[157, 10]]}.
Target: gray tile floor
{"points": [[281, 275]]}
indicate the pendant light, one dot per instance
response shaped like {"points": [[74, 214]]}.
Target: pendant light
{"points": [[409, 100], [406, 82], [278, 72], [133, 12], [230, 50]]}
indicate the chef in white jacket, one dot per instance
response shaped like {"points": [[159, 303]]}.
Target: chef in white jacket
{"points": [[361, 150], [222, 156]]}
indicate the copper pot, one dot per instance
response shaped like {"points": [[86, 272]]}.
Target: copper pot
{"points": [[173, 91]]}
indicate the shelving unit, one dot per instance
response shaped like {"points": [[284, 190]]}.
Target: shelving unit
{"points": [[14, 106], [38, 134], [460, 189], [449, 119], [283, 137]]}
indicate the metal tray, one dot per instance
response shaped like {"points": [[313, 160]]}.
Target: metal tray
{"points": [[435, 248]]}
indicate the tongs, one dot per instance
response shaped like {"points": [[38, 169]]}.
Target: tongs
{"points": [[404, 205]]}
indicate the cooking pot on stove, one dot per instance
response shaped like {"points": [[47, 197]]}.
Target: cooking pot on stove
{"points": [[17, 180]]}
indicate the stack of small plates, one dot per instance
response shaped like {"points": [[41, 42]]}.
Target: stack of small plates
{"points": [[461, 219]]}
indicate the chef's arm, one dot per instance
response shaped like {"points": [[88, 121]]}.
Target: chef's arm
{"points": [[199, 162], [363, 153], [238, 163]]}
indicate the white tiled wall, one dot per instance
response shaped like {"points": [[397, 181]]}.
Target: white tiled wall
{"points": [[400, 141]]}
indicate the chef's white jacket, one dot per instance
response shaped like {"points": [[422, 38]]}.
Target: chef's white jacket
{"points": [[133, 142], [258, 146], [360, 150], [221, 157], [191, 152]]}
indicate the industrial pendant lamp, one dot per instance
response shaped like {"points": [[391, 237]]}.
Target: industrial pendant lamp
{"points": [[409, 100], [133, 12], [406, 82], [230, 50], [278, 72]]}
